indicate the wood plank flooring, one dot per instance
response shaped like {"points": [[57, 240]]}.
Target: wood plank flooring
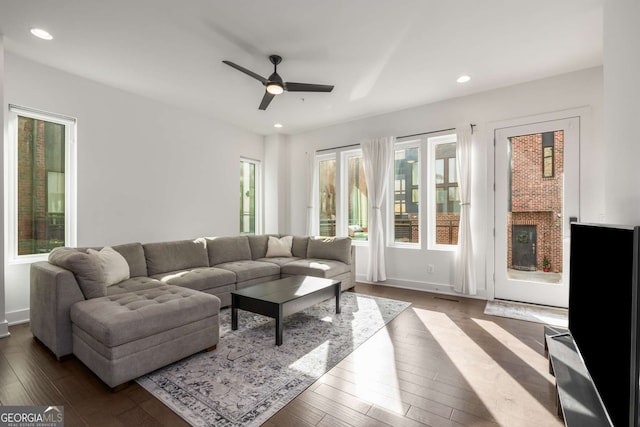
{"points": [[441, 362]]}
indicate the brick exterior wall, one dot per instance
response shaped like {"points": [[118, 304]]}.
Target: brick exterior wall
{"points": [[447, 225], [31, 184], [536, 200]]}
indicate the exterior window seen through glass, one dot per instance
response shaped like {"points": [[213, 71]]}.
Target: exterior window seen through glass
{"points": [[41, 186], [406, 195]]}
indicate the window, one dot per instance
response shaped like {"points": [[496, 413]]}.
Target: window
{"points": [[327, 194], [445, 199], [406, 193], [41, 182], [548, 145], [356, 192], [249, 196]]}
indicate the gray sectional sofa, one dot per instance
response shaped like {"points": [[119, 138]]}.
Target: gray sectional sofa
{"points": [[155, 303]]}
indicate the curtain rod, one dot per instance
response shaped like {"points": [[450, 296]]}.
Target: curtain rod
{"points": [[399, 137]]}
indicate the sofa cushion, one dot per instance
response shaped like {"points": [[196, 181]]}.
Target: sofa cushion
{"points": [[280, 260], [200, 279], [249, 269], [258, 245], [315, 267], [134, 284], [336, 248], [177, 255], [227, 249], [85, 268], [134, 254], [299, 246], [115, 268], [279, 247]]}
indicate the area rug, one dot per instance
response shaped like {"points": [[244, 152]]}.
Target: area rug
{"points": [[248, 378], [533, 313]]}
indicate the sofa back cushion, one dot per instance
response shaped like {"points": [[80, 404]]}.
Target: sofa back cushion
{"points": [[299, 246], [163, 257], [228, 249], [86, 268], [258, 245], [134, 254], [335, 248]]}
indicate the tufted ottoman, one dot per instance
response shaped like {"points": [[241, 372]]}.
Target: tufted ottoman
{"points": [[123, 336]]}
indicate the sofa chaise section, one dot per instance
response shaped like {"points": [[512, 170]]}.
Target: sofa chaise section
{"points": [[123, 336]]}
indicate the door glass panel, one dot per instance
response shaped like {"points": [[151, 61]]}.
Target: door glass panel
{"points": [[535, 207]]}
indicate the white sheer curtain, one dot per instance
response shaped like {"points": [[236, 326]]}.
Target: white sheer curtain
{"points": [[312, 194], [378, 157], [464, 280]]}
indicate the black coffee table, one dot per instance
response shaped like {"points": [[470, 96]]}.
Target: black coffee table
{"points": [[280, 298]]}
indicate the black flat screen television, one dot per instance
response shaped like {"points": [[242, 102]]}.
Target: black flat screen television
{"points": [[603, 312]]}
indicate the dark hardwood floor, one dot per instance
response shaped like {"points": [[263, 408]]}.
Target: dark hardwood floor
{"points": [[442, 362]]}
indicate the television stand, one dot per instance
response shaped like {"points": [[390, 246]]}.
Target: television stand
{"points": [[575, 389]]}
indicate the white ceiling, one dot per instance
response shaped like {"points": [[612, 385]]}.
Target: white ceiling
{"points": [[381, 55]]}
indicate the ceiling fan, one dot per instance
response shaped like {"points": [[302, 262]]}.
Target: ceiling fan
{"points": [[275, 85]]}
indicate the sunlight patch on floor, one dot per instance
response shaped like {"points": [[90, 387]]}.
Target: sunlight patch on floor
{"points": [[520, 349], [308, 364], [484, 375], [375, 375]]}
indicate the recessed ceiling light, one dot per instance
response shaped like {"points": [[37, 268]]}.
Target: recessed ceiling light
{"points": [[39, 32], [277, 125], [463, 79]]}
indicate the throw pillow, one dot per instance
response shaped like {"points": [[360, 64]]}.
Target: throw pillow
{"points": [[84, 267], [279, 247], [114, 267]]}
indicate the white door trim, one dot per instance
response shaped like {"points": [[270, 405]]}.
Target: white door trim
{"points": [[583, 113]]}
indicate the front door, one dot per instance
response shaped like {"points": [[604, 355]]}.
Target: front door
{"points": [[536, 194]]}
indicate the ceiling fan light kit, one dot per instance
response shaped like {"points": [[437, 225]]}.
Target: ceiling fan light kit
{"points": [[275, 85]]}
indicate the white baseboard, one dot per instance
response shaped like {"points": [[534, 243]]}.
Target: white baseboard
{"points": [[437, 288], [4, 329], [17, 317]]}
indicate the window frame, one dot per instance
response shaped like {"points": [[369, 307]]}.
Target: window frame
{"points": [[258, 195], [70, 159], [342, 217], [391, 242], [319, 158], [432, 143]]}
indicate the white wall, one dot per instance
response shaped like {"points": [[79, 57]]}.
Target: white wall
{"points": [[276, 203], [146, 171], [4, 330], [407, 267], [622, 110]]}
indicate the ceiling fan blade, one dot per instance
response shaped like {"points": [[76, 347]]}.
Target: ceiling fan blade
{"points": [[307, 87], [248, 72], [266, 100]]}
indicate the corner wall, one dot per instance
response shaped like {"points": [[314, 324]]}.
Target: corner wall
{"points": [[622, 110], [146, 171], [4, 329]]}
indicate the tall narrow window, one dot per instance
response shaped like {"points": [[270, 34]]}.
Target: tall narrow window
{"points": [[327, 195], [406, 193], [43, 190], [357, 197], [548, 143], [249, 192], [446, 201]]}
